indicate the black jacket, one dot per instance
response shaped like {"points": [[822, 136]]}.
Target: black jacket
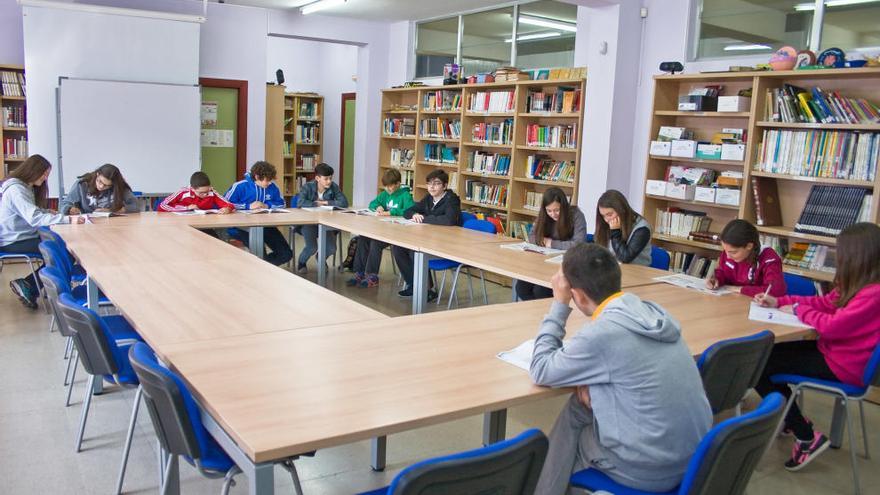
{"points": [[446, 212]]}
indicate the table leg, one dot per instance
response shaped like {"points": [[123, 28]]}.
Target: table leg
{"points": [[420, 282], [512, 290], [494, 426], [255, 241], [261, 476], [261, 480], [322, 255], [378, 451]]}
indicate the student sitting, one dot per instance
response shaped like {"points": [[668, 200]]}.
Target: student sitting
{"points": [[393, 201], [258, 191], [103, 190], [559, 226], [639, 410], [22, 209], [439, 207], [320, 192], [744, 266], [198, 196], [622, 230], [848, 324]]}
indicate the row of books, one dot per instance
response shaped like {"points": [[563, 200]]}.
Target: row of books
{"points": [[402, 157], [814, 153], [293, 186], [14, 117], [287, 148], [695, 176], [705, 236], [15, 147], [441, 153], [830, 209], [811, 257], [399, 127], [442, 100], [542, 167], [563, 100], [679, 222], [492, 101], [533, 200], [308, 110], [12, 83], [557, 136], [453, 181], [407, 178], [488, 163], [493, 132], [520, 229], [440, 128], [308, 133], [307, 161], [793, 104], [695, 265], [487, 194]]}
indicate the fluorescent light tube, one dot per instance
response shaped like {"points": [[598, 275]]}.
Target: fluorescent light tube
{"points": [[535, 36], [547, 23], [320, 5], [830, 3], [745, 48]]}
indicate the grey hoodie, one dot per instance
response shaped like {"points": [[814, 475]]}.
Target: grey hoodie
{"points": [[646, 393], [19, 215], [79, 196]]}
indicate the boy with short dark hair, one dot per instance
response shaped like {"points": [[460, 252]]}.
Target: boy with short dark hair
{"points": [[439, 207], [639, 410], [258, 191], [320, 192], [198, 196]]}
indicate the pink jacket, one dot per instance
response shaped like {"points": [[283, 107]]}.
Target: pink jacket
{"points": [[768, 271], [847, 335]]}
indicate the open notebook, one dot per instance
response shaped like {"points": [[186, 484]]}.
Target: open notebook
{"points": [[521, 356]]}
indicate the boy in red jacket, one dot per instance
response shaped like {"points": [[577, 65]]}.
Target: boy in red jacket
{"points": [[744, 266], [198, 196]]}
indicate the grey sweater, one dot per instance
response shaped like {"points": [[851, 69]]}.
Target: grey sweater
{"points": [[79, 196], [646, 393], [19, 215], [579, 235]]}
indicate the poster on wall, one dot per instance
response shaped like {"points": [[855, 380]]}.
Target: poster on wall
{"points": [[209, 114], [217, 138]]}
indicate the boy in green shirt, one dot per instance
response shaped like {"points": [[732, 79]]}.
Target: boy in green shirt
{"points": [[393, 201]]}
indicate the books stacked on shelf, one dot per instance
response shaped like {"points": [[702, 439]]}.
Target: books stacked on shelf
{"points": [[492, 101], [399, 127], [830, 209], [542, 167], [792, 104], [402, 157], [309, 133], [487, 194], [815, 153], [453, 181], [693, 176], [286, 148], [400, 107], [692, 264], [308, 110], [704, 236], [678, 222], [563, 100], [510, 74], [533, 201], [307, 162], [14, 117], [300, 182], [440, 153], [488, 163], [557, 136], [407, 178], [776, 243], [442, 100], [493, 132], [441, 128], [12, 83], [520, 229], [15, 147], [809, 256]]}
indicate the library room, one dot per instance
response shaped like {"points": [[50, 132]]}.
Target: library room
{"points": [[375, 247]]}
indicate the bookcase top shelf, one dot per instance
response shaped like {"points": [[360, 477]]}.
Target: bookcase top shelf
{"points": [[677, 113], [817, 180], [824, 127], [694, 203], [790, 233], [687, 242], [13, 98]]}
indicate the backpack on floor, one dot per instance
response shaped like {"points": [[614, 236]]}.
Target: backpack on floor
{"points": [[348, 262]]}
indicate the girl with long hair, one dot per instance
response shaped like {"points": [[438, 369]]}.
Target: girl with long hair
{"points": [[103, 190], [622, 230], [744, 266]]}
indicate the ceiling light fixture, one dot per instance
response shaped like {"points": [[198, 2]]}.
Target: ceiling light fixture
{"points": [[801, 7], [536, 36], [548, 23], [745, 48], [320, 5]]}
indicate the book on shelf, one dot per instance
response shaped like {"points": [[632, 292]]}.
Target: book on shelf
{"points": [[493, 132], [307, 161], [811, 256], [850, 155], [532, 201], [453, 181], [440, 153], [407, 177], [556, 136], [399, 126], [564, 100], [287, 121], [14, 116], [703, 236], [766, 198], [441, 100], [830, 209], [692, 264], [541, 167], [286, 148], [402, 157], [488, 194], [793, 104], [401, 107], [697, 176], [776, 243], [520, 229], [308, 133], [678, 222], [440, 128], [481, 162], [308, 110], [12, 83], [15, 147], [492, 101]]}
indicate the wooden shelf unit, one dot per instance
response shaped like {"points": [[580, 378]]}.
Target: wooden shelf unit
{"points": [[793, 189], [18, 102], [282, 118], [398, 103]]}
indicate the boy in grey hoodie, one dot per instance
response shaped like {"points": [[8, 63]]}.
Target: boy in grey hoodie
{"points": [[639, 410]]}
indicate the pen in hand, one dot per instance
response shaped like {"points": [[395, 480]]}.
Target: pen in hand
{"points": [[767, 291]]}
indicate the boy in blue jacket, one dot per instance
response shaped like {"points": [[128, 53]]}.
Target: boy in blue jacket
{"points": [[258, 191], [319, 192]]}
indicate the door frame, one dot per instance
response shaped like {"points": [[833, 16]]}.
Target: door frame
{"points": [[241, 135], [345, 97]]}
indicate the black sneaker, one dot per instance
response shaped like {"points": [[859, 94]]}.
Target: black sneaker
{"points": [[804, 452], [432, 295], [24, 292], [407, 292], [301, 268]]}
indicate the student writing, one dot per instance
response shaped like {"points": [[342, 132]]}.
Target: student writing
{"points": [[744, 266], [103, 190], [198, 196]]}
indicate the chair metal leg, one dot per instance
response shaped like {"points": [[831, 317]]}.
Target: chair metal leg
{"points": [[166, 485], [73, 359], [87, 401], [70, 363], [294, 476], [485, 293], [127, 448], [291, 242], [864, 430], [852, 448], [738, 409], [442, 284], [228, 480], [68, 347], [52, 324], [452, 291], [470, 287]]}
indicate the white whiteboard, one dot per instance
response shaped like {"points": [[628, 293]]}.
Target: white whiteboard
{"points": [[150, 131]]}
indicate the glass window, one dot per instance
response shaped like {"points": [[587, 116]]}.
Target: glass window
{"points": [[436, 45], [485, 44], [852, 27], [545, 35], [737, 28]]}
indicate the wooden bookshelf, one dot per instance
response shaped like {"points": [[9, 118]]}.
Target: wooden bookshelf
{"points": [[14, 132], [408, 103], [793, 189], [284, 148]]}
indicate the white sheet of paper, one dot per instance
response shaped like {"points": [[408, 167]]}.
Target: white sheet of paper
{"points": [[521, 356], [693, 283], [400, 220], [775, 316], [525, 246], [557, 260]]}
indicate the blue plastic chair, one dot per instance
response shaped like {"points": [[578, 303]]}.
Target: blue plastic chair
{"points": [[465, 216], [78, 273], [729, 368], [56, 256], [845, 393], [510, 466], [589, 238], [296, 229], [796, 285], [723, 462], [442, 264], [659, 258]]}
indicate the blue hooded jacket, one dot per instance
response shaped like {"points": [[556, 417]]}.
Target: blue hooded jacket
{"points": [[244, 192]]}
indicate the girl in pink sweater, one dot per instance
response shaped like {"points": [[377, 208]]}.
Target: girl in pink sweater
{"points": [[745, 267], [847, 322]]}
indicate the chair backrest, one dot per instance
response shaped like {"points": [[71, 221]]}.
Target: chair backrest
{"points": [[481, 225], [872, 370], [659, 258], [726, 457], [795, 285], [54, 286], [465, 216], [731, 367], [175, 415], [98, 351], [294, 200], [588, 238], [56, 256], [510, 467]]}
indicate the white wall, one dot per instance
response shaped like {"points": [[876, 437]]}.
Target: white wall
{"points": [[326, 69], [11, 38]]}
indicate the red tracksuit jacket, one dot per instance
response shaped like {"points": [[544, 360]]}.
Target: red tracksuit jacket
{"points": [[753, 279], [180, 200]]}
